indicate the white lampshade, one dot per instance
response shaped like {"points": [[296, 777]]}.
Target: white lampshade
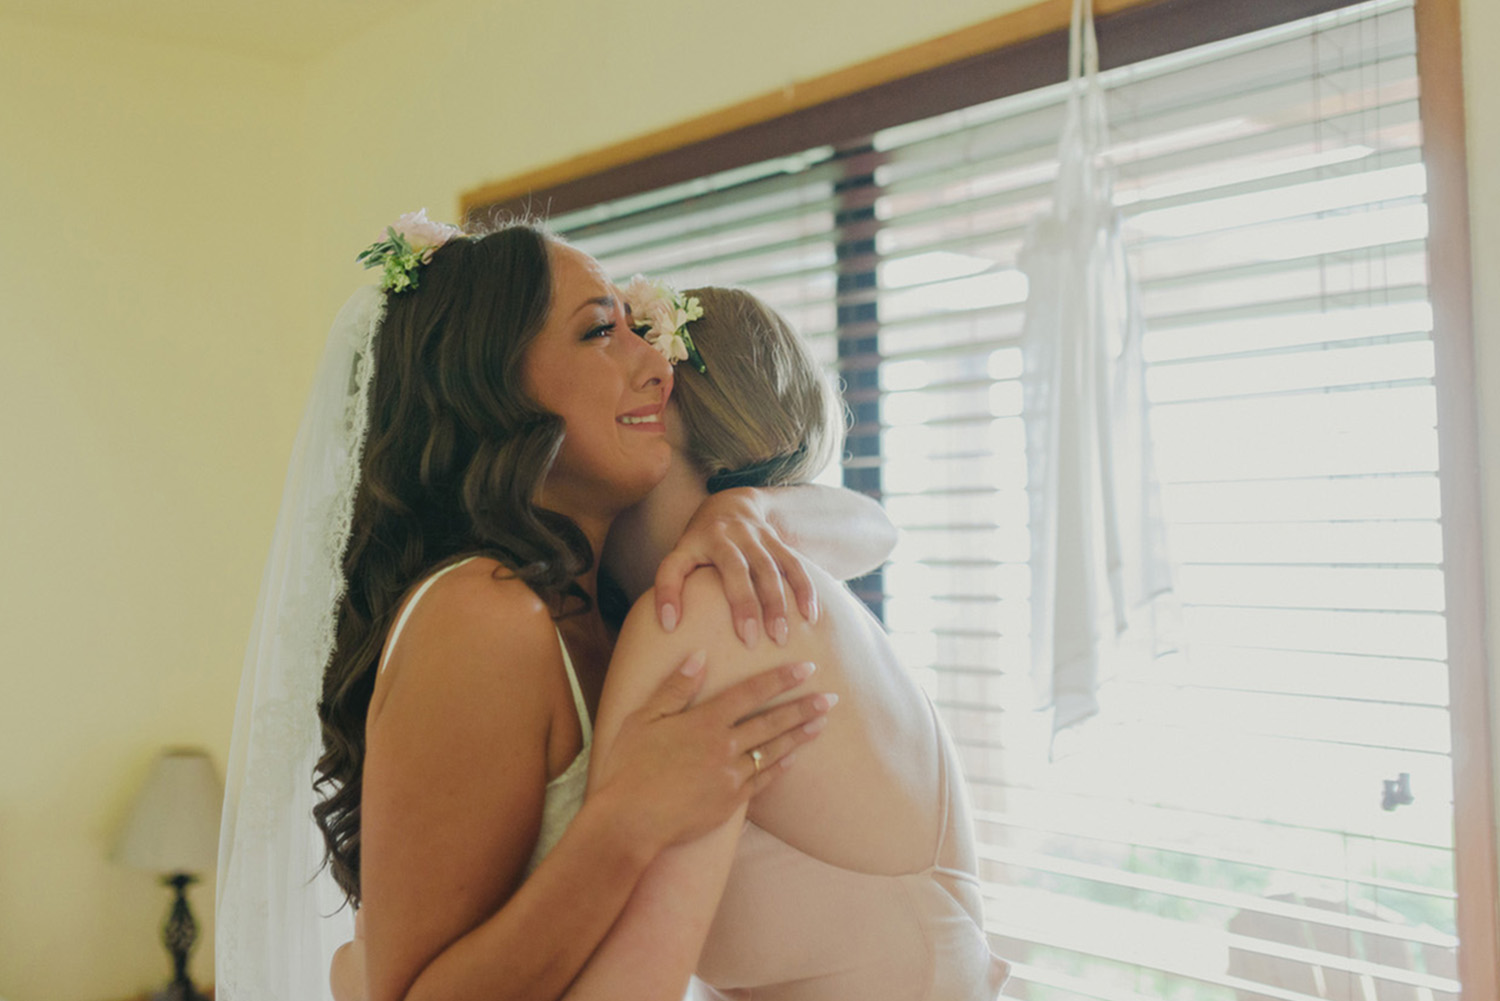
{"points": [[174, 825]]}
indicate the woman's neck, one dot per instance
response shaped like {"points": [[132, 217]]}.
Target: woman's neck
{"points": [[594, 532], [592, 520], [643, 535]]}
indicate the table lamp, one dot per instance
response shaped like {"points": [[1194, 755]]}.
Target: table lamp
{"points": [[174, 830]]}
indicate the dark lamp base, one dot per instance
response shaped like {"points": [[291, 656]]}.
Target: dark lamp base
{"points": [[179, 934], [178, 992]]}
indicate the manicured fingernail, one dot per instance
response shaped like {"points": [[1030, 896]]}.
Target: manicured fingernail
{"points": [[779, 630], [669, 617], [786, 762], [812, 609], [750, 630], [825, 702], [804, 670], [815, 726], [694, 664]]}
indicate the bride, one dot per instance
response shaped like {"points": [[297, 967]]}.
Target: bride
{"points": [[476, 426], [854, 877]]}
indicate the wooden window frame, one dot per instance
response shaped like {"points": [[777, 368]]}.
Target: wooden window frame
{"points": [[1027, 48], [1450, 284]]}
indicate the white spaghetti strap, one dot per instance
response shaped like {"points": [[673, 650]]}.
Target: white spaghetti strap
{"points": [[390, 643], [578, 703]]}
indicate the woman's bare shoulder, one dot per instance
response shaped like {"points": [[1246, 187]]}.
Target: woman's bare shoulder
{"points": [[476, 625], [483, 594]]}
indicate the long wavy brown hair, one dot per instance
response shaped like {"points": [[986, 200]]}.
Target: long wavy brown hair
{"points": [[456, 449]]}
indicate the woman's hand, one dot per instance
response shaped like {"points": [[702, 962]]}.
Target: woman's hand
{"points": [[732, 532], [680, 772]]}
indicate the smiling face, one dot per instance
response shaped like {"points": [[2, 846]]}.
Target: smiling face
{"points": [[609, 387]]}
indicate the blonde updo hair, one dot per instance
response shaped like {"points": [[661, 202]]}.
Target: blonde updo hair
{"points": [[764, 414]]}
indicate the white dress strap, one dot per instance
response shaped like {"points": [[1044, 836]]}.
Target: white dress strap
{"points": [[578, 703], [390, 643]]}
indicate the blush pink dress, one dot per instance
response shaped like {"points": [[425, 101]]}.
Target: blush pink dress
{"points": [[793, 928]]}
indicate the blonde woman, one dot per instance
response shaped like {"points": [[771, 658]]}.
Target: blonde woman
{"points": [[854, 877]]}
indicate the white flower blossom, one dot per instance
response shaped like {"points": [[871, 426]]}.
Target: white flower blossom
{"points": [[664, 314]]}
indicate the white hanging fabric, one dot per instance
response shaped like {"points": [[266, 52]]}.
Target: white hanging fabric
{"points": [[1098, 554]]}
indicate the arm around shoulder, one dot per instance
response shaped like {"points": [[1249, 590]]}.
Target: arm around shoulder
{"points": [[846, 533], [653, 949]]}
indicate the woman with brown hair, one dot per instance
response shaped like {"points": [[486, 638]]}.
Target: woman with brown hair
{"points": [[476, 427], [854, 877]]}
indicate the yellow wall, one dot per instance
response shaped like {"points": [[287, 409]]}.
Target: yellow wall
{"points": [[498, 88], [179, 226], [150, 286]]}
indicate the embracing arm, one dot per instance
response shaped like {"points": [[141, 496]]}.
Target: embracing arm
{"points": [[653, 949], [757, 536], [846, 533]]}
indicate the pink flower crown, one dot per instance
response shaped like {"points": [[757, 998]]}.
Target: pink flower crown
{"points": [[408, 245], [661, 315]]}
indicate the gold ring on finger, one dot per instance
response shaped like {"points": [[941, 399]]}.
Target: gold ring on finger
{"points": [[756, 755]]}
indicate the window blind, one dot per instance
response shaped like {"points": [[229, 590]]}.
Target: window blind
{"points": [[1232, 824]]}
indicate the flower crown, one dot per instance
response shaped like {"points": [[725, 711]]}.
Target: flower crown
{"points": [[407, 246], [661, 315]]}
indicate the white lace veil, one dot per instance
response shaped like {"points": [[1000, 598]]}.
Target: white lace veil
{"points": [[279, 918]]}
